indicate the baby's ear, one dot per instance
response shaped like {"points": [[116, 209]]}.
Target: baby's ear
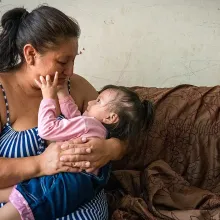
{"points": [[111, 119]]}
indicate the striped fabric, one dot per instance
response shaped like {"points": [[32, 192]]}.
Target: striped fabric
{"points": [[28, 143]]}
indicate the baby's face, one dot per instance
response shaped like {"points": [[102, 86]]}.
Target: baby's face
{"points": [[99, 108]]}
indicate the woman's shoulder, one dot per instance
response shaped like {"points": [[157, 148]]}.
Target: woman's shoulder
{"points": [[82, 91], [81, 83]]}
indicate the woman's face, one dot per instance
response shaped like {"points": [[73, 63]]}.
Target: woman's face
{"points": [[60, 59]]}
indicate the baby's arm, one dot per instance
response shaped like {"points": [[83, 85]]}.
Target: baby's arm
{"points": [[67, 105], [51, 128]]}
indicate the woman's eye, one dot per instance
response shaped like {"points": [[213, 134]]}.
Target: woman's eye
{"points": [[61, 62], [98, 100]]}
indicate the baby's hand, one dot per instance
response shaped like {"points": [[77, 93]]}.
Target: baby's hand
{"points": [[48, 87]]}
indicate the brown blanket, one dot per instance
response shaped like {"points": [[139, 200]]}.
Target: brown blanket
{"points": [[173, 172]]}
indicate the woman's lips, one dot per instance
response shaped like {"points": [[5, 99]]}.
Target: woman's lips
{"points": [[62, 79]]}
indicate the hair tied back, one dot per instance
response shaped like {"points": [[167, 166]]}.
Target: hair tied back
{"points": [[147, 114]]}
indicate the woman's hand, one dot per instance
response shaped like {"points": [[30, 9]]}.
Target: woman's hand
{"points": [[49, 162], [97, 152]]}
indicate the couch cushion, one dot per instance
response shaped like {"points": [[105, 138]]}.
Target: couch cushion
{"points": [[173, 171]]}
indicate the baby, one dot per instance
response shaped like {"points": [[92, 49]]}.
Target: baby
{"points": [[117, 112]]}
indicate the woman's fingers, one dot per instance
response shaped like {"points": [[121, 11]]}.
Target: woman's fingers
{"points": [[90, 170], [70, 143], [79, 165], [74, 158], [79, 140], [76, 150], [69, 169]]}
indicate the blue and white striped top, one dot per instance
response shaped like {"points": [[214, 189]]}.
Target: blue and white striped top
{"points": [[28, 143]]}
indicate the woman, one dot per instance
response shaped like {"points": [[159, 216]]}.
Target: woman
{"points": [[33, 44]]}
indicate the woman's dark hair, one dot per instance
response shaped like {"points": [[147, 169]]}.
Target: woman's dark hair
{"points": [[43, 28], [135, 116]]}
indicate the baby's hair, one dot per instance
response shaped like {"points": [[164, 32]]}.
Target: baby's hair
{"points": [[134, 115]]}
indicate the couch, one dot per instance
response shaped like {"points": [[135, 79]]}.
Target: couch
{"points": [[173, 171]]}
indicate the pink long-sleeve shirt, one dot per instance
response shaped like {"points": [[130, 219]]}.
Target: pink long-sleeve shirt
{"points": [[74, 124]]}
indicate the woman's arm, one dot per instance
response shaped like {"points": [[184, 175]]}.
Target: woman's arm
{"points": [[15, 170]]}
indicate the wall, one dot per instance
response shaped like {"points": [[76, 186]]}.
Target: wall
{"points": [[158, 43]]}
